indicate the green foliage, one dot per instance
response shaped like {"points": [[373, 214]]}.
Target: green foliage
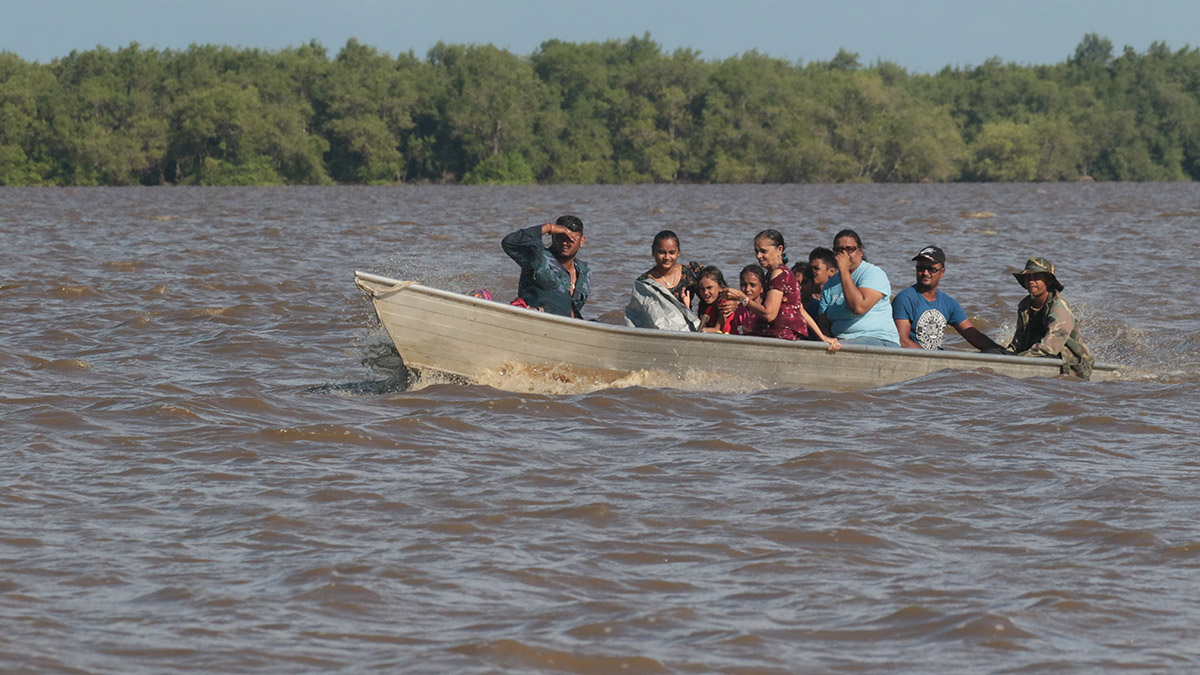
{"points": [[1004, 151], [845, 61], [15, 167], [618, 111], [1060, 149], [1093, 52], [490, 103], [257, 170], [509, 168], [366, 102]]}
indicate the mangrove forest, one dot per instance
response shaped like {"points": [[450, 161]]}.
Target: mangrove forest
{"points": [[619, 111]]}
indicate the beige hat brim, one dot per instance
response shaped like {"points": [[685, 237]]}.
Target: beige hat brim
{"points": [[1021, 276]]}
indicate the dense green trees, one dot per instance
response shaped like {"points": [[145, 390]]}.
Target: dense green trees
{"points": [[619, 111]]}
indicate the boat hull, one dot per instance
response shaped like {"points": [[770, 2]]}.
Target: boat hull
{"points": [[474, 339]]}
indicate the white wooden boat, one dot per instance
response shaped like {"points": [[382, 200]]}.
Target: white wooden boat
{"points": [[475, 339]]}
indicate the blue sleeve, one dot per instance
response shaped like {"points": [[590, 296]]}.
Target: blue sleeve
{"points": [[954, 312], [827, 295], [876, 280], [524, 246], [905, 306]]}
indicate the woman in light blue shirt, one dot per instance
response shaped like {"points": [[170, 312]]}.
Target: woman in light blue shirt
{"points": [[856, 300]]}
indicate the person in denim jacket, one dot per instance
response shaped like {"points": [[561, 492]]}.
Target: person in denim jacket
{"points": [[552, 280]]}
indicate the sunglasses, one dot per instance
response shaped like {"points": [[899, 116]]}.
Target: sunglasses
{"points": [[845, 249], [931, 270]]}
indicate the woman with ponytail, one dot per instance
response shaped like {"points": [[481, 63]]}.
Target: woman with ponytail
{"points": [[782, 305]]}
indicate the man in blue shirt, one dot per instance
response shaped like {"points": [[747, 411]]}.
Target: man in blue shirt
{"points": [[921, 312], [552, 280]]}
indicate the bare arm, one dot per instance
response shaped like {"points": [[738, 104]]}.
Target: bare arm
{"points": [[858, 300], [772, 300], [833, 343], [768, 308], [904, 327], [727, 307], [770, 305]]}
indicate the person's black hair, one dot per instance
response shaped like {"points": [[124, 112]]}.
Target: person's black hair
{"points": [[808, 282], [824, 255], [572, 223], [853, 235], [712, 272], [775, 238], [662, 236], [757, 271]]}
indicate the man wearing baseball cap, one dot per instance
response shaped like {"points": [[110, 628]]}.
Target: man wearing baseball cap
{"points": [[1046, 326], [922, 312]]}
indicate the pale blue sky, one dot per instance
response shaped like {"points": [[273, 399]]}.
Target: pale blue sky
{"points": [[921, 35]]}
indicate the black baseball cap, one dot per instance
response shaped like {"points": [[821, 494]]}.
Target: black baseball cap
{"points": [[932, 254]]}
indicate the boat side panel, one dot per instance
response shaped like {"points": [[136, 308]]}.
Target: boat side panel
{"points": [[468, 337]]}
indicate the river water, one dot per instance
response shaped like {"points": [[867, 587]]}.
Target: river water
{"points": [[212, 464]]}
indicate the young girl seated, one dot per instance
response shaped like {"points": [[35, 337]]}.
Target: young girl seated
{"points": [[752, 282], [711, 287]]}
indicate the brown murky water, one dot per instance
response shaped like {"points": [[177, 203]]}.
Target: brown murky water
{"points": [[201, 474]]}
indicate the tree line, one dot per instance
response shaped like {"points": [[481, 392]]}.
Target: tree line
{"points": [[619, 111]]}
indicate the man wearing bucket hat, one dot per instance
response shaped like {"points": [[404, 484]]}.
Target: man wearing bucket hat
{"points": [[1045, 324], [922, 312]]}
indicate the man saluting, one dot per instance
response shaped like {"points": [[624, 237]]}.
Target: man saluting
{"points": [[552, 280], [922, 312]]}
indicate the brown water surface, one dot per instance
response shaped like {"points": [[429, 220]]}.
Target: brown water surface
{"points": [[212, 463]]}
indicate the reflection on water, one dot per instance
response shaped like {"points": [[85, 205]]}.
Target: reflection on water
{"points": [[217, 462]]}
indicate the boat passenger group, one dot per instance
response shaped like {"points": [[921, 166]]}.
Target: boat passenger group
{"points": [[835, 296]]}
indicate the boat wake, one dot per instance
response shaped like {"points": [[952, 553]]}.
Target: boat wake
{"points": [[368, 388], [559, 380], [382, 358]]}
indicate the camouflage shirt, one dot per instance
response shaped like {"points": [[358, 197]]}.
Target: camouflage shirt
{"points": [[545, 284], [1051, 331]]}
